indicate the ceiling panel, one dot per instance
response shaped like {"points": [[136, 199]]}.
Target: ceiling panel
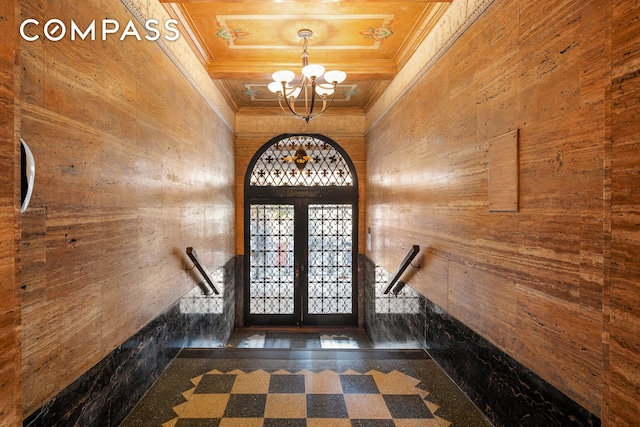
{"points": [[241, 43]]}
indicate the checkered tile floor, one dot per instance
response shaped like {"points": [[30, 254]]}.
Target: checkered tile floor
{"points": [[304, 398], [291, 378]]}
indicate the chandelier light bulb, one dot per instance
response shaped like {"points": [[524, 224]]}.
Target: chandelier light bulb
{"points": [[335, 76], [283, 76], [275, 87], [313, 70]]}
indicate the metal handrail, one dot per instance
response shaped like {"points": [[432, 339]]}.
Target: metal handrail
{"points": [[193, 255], [403, 266]]}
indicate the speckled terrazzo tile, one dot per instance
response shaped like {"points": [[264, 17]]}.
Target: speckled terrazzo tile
{"points": [[306, 383]]}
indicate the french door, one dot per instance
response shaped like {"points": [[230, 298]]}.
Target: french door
{"points": [[300, 268]]}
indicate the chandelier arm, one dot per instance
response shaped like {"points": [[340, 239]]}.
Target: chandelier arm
{"points": [[333, 95], [284, 110], [324, 105], [286, 99], [299, 83], [313, 98], [291, 107], [290, 104], [290, 100]]}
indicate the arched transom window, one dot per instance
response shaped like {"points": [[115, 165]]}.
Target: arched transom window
{"points": [[301, 160]]}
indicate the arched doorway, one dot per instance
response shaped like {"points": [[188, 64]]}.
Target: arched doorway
{"points": [[301, 211]]}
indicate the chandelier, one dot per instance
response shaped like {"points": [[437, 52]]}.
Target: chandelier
{"points": [[312, 82]]}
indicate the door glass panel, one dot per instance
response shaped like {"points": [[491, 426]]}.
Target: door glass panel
{"points": [[271, 286], [330, 259]]}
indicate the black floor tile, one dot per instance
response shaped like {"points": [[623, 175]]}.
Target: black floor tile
{"points": [[407, 406], [292, 340], [358, 384], [286, 384], [326, 406], [246, 406], [210, 384]]}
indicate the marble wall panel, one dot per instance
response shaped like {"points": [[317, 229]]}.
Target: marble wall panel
{"points": [[533, 280], [623, 308], [478, 303], [10, 316], [562, 331], [107, 391], [507, 392], [432, 275], [391, 320], [134, 165]]}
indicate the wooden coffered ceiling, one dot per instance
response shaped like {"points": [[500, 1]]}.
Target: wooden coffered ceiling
{"points": [[242, 42]]}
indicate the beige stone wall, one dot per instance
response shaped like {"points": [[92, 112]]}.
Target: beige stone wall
{"points": [[133, 166], [10, 389], [621, 299], [555, 284]]}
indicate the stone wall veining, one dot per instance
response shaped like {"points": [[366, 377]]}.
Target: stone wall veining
{"points": [[551, 285], [133, 166], [106, 393], [507, 392], [10, 316]]}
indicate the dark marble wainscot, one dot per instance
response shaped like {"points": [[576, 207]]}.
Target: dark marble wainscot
{"points": [[105, 394], [391, 320], [508, 393]]}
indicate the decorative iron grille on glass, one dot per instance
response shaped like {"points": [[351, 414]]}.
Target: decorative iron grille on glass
{"points": [[301, 160], [272, 270], [330, 259], [312, 81]]}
